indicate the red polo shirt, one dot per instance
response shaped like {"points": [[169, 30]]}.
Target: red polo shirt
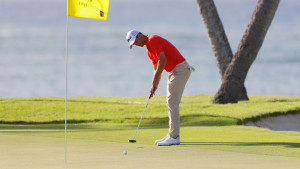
{"points": [[156, 44]]}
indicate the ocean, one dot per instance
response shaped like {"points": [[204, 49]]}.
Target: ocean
{"points": [[33, 48]]}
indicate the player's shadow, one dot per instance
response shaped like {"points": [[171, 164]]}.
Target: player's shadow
{"points": [[285, 144]]}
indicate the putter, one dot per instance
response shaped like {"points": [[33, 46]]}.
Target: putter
{"points": [[133, 140]]}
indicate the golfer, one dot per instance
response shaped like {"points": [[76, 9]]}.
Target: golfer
{"points": [[165, 55]]}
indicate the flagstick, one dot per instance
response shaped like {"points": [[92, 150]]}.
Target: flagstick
{"points": [[66, 94]]}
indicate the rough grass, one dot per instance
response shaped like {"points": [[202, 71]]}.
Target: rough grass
{"points": [[195, 110]]}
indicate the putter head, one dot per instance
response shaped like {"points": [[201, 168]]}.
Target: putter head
{"points": [[132, 141]]}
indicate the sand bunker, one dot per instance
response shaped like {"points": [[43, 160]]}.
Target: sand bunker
{"points": [[289, 122]]}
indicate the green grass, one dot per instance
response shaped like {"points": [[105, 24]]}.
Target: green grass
{"points": [[203, 125], [195, 110]]}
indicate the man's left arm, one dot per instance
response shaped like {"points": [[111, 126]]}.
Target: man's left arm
{"points": [[162, 60]]}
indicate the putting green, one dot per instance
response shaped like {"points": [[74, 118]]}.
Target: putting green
{"points": [[34, 152]]}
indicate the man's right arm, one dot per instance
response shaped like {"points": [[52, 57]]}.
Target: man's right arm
{"points": [[162, 60], [155, 67]]}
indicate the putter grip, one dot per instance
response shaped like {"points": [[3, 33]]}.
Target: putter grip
{"points": [[150, 95]]}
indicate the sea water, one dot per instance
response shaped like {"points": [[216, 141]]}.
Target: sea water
{"points": [[33, 48]]}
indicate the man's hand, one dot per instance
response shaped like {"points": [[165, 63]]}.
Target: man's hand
{"points": [[154, 86]]}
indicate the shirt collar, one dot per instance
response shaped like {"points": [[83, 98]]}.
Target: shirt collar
{"points": [[147, 39]]}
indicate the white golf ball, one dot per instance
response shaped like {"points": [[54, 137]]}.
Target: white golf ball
{"points": [[125, 152]]}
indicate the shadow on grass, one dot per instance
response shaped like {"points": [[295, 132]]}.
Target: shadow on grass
{"points": [[81, 127], [186, 120], [111, 125], [286, 144], [114, 125], [72, 121], [194, 120], [7, 128]]}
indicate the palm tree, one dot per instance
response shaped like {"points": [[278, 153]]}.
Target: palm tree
{"points": [[218, 39], [235, 74]]}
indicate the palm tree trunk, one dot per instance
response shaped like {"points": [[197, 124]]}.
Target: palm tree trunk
{"points": [[218, 38], [249, 46]]}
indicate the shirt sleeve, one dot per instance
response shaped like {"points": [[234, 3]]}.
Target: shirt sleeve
{"points": [[152, 58]]}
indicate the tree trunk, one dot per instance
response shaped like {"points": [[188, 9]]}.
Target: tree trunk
{"points": [[218, 38], [249, 46]]}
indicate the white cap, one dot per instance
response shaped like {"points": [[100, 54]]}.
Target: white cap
{"points": [[131, 36]]}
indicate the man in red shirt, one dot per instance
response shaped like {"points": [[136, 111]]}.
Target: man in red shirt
{"points": [[165, 55]]}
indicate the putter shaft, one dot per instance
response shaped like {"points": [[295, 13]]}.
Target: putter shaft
{"points": [[142, 117]]}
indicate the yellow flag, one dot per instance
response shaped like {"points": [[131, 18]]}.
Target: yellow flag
{"points": [[95, 9]]}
